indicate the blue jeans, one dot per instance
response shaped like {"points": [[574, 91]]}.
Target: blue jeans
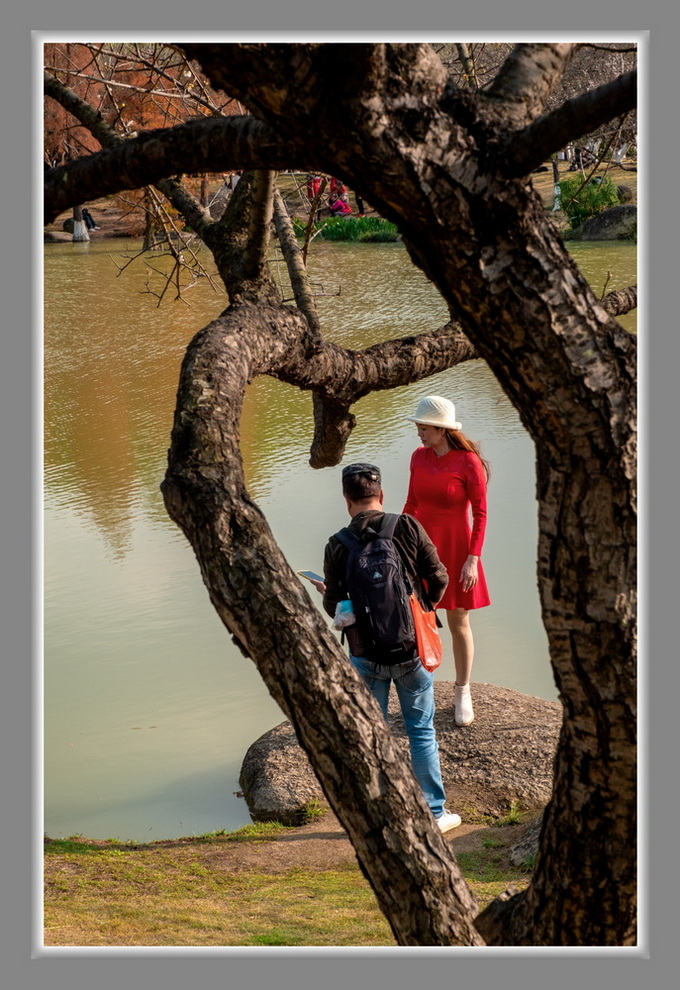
{"points": [[415, 690]]}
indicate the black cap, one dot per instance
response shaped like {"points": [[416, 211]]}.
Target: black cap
{"points": [[369, 471]]}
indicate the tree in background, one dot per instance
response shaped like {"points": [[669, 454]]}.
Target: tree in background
{"points": [[131, 87], [450, 166]]}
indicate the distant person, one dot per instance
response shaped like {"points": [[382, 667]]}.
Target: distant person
{"points": [[338, 198], [448, 484], [337, 188], [313, 186], [338, 206], [378, 665], [89, 221]]}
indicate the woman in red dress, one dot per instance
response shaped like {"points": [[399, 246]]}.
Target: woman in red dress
{"points": [[447, 485]]}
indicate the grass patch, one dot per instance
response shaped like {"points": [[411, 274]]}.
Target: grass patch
{"points": [[157, 900], [360, 229], [203, 891], [492, 844], [313, 810], [487, 874], [257, 832], [515, 815]]}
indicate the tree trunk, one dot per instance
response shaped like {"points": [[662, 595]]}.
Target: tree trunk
{"points": [[366, 780], [568, 368], [557, 192], [80, 231]]}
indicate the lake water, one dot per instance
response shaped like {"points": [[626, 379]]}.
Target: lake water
{"points": [[148, 707]]}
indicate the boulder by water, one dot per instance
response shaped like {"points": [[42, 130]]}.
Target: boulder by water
{"points": [[505, 755], [619, 223]]}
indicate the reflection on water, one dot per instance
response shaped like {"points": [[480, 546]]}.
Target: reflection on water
{"points": [[149, 707]]}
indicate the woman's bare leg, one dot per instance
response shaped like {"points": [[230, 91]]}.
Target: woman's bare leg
{"points": [[463, 644], [463, 655]]}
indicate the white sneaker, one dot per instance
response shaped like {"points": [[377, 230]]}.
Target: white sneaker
{"points": [[463, 705], [447, 821]]}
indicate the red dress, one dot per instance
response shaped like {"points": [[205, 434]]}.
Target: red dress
{"points": [[441, 493]]}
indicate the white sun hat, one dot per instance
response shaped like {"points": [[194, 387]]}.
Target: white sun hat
{"points": [[434, 410]]}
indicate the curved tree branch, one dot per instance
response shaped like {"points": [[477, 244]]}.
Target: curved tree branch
{"points": [[528, 76], [109, 138], [82, 111], [367, 781], [240, 240], [209, 145], [526, 150], [333, 422], [297, 272], [621, 301]]}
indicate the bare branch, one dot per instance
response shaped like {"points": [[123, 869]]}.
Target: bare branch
{"points": [[295, 262], [526, 150], [82, 111], [467, 61], [621, 301], [108, 137], [529, 75], [314, 206], [211, 145]]}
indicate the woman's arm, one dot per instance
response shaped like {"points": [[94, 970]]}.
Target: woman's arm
{"points": [[410, 508], [475, 483]]}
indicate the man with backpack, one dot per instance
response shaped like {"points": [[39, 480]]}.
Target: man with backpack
{"points": [[374, 564]]}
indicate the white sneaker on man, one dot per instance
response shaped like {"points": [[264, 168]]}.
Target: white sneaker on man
{"points": [[448, 820]]}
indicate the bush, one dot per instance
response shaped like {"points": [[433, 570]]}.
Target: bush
{"points": [[580, 202], [340, 229], [351, 229]]}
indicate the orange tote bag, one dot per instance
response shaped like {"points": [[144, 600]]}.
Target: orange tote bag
{"points": [[430, 647]]}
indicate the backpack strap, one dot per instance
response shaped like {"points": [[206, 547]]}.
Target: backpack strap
{"points": [[347, 538], [350, 539], [387, 532], [389, 524]]}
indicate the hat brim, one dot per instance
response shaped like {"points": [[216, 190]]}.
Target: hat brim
{"points": [[432, 422]]}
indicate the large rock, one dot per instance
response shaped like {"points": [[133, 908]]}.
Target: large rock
{"points": [[619, 223], [505, 755]]}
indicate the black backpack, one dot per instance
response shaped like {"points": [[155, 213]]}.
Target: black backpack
{"points": [[380, 593]]}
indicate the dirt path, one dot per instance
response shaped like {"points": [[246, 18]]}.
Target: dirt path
{"points": [[323, 845]]}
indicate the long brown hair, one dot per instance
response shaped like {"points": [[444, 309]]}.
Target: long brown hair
{"points": [[458, 441]]}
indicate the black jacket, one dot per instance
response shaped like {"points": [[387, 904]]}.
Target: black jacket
{"points": [[422, 565]]}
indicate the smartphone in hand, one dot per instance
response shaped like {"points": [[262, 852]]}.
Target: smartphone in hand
{"points": [[311, 576]]}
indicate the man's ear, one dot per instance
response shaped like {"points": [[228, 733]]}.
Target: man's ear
{"points": [[381, 496]]}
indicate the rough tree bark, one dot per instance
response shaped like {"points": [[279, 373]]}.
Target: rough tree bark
{"points": [[366, 782], [451, 168], [80, 231]]}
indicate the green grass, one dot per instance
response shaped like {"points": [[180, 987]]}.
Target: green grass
{"points": [[152, 897], [205, 891], [514, 816], [351, 229]]}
